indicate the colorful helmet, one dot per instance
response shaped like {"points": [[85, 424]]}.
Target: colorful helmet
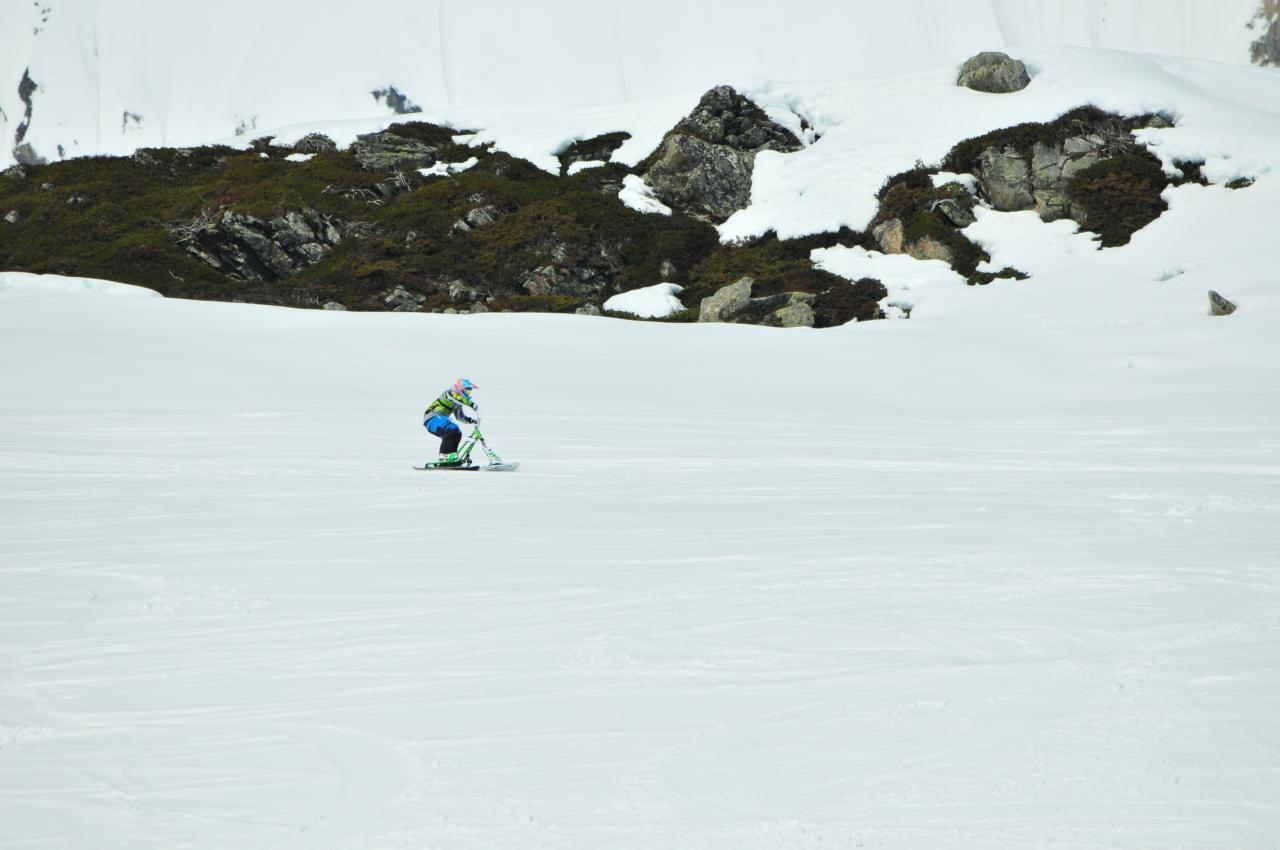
{"points": [[464, 387]]}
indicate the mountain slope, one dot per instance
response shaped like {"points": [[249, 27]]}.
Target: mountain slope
{"points": [[115, 75]]}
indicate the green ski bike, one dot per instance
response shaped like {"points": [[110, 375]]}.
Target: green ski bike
{"points": [[463, 462]]}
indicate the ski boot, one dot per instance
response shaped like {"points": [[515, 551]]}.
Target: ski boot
{"points": [[449, 459]]}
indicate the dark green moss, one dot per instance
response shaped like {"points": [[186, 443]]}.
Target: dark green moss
{"points": [[597, 149], [1120, 196], [983, 278], [1240, 183], [966, 155]]}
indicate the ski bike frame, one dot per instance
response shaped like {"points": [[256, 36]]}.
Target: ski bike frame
{"points": [[469, 445]]}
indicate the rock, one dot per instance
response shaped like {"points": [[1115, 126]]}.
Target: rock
{"points": [[956, 213], [252, 249], [315, 143], [15, 172], [12, 217], [703, 166], [726, 302], [46, 187], [587, 310], [797, 314], [1220, 306], [333, 305], [77, 200], [401, 300], [389, 152], [1006, 178], [461, 292], [701, 179], [928, 248], [724, 117], [460, 227], [482, 216], [1265, 50], [889, 235], [994, 73], [25, 154], [667, 270]]}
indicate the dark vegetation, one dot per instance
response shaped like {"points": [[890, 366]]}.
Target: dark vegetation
{"points": [[118, 218]]}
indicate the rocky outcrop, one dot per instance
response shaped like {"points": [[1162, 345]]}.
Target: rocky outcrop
{"points": [[704, 165], [1266, 49], [840, 303], [315, 143], [994, 73], [733, 303], [389, 152], [1219, 306], [1019, 171], [12, 217], [596, 149], [251, 248]]}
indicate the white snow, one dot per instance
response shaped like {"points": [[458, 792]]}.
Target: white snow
{"points": [[637, 195], [447, 169], [1009, 581], [299, 157], [1001, 575], [115, 75], [585, 164], [648, 302]]}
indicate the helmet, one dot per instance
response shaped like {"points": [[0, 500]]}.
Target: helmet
{"points": [[464, 387]]}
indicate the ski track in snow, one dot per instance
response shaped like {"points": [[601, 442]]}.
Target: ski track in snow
{"points": [[996, 612]]}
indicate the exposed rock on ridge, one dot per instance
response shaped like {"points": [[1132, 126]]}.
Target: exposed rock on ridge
{"points": [[704, 165]]}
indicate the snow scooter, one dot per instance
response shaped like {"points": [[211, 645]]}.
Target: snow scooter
{"points": [[464, 464]]}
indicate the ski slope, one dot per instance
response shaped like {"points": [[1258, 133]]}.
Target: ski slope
{"points": [[111, 76], [999, 576]]}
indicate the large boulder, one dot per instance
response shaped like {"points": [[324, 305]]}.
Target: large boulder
{"points": [[251, 248], [1006, 177], [389, 152], [734, 303], [994, 73], [703, 166]]}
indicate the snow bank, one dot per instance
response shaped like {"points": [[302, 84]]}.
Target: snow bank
{"points": [[649, 302], [14, 284]]}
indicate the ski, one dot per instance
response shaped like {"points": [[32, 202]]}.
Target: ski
{"points": [[490, 467]]}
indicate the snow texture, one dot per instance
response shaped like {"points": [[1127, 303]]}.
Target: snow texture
{"points": [[115, 75], [649, 302]]}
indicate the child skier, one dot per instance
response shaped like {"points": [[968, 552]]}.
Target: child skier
{"points": [[437, 417]]}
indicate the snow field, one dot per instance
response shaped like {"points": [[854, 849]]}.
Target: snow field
{"points": [[995, 580]]}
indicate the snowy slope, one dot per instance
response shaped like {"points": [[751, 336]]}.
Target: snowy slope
{"points": [[114, 75], [1007, 580]]}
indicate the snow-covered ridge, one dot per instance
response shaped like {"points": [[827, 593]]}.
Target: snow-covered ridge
{"points": [[109, 76]]}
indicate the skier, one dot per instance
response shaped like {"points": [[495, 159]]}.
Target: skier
{"points": [[437, 417]]}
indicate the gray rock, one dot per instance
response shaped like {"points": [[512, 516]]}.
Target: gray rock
{"points": [[956, 213], [587, 310], [77, 200], [727, 302], [928, 248], [703, 167], [462, 292], [315, 143], [389, 152], [724, 117], [667, 270], [889, 235], [482, 216], [797, 314], [701, 179], [542, 280], [12, 217], [994, 73], [1265, 50], [333, 305], [15, 172], [401, 300], [1006, 179], [25, 154], [1220, 306], [460, 227], [249, 248]]}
